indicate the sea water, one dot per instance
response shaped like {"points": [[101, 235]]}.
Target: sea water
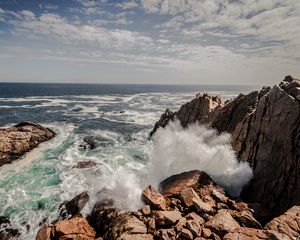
{"points": [[119, 117]]}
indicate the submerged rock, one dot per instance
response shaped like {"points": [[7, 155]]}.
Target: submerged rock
{"points": [[74, 206], [89, 143], [6, 230], [21, 138], [85, 164]]}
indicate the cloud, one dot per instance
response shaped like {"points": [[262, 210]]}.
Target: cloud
{"points": [[127, 5]]}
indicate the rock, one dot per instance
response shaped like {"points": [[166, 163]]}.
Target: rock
{"points": [[194, 227], [146, 210], [288, 223], [164, 119], [222, 223], [265, 131], [166, 234], [74, 206], [195, 217], [45, 233], [186, 234], [21, 138], [203, 207], [85, 164], [89, 143], [254, 234], [136, 237], [6, 229], [74, 228], [246, 219], [188, 196], [206, 232], [199, 181], [180, 224], [167, 217], [127, 224], [151, 225], [153, 198]]}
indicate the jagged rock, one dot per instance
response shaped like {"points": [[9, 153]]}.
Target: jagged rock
{"points": [[254, 234], [195, 217], [203, 207], [222, 223], [206, 232], [86, 164], [153, 198], [74, 206], [167, 217], [265, 131], [246, 219], [166, 234], [188, 196], [45, 233], [146, 210], [21, 138], [6, 230], [151, 225], [194, 227], [136, 237], [180, 224], [74, 228], [199, 181], [186, 234], [288, 223], [164, 119]]}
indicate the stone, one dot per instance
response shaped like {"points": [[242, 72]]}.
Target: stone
{"points": [[21, 138], [74, 206], [246, 219], [44, 233], [206, 232], [136, 237], [180, 224], [89, 143], [146, 210], [203, 207], [151, 225], [85, 164], [6, 229], [188, 196], [194, 216], [167, 217], [76, 226], [153, 198], [254, 234], [185, 233], [166, 234], [222, 223], [194, 227], [287, 223]]}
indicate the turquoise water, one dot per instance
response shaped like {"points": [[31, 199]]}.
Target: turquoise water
{"points": [[32, 188]]}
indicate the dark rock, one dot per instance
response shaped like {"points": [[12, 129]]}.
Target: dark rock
{"points": [[6, 230], [89, 143], [74, 206], [86, 164], [164, 119], [21, 138]]}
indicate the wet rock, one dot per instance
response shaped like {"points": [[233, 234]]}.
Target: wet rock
{"points": [[89, 143], [254, 234], [167, 217], [222, 223], [45, 233], [164, 119], [74, 206], [21, 138], [85, 164], [6, 229], [288, 223], [153, 198]]}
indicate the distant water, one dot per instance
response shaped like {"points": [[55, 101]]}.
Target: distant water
{"points": [[119, 117]]}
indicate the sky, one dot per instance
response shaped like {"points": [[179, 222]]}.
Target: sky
{"points": [[245, 42]]}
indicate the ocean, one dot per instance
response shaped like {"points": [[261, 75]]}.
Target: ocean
{"points": [[118, 117]]}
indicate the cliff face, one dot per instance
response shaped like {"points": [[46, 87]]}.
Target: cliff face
{"points": [[17, 140], [265, 129]]}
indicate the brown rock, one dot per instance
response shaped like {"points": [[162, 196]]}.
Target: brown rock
{"points": [[136, 237], [23, 137], [181, 224], [185, 233], [222, 223], [44, 233], [153, 198], [151, 225], [246, 219], [206, 232], [288, 223], [194, 216], [167, 217], [166, 234], [254, 234], [76, 226], [203, 207], [86, 164], [194, 227], [146, 210], [188, 196]]}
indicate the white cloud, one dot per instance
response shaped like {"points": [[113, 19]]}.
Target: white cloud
{"points": [[27, 14], [127, 5]]}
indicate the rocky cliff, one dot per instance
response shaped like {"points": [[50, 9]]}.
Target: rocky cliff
{"points": [[21, 138], [189, 205], [265, 131]]}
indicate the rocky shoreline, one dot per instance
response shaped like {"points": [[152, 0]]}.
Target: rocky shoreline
{"points": [[265, 131]]}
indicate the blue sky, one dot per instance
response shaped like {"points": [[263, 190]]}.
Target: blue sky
{"points": [[150, 41]]}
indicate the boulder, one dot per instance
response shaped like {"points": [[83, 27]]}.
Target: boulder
{"points": [[246, 219], [89, 143], [288, 223], [74, 206], [186, 234], [254, 234], [153, 198], [222, 223], [167, 217], [21, 138]]}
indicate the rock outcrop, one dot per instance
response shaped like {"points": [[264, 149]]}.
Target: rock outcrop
{"points": [[265, 131], [21, 138], [174, 213]]}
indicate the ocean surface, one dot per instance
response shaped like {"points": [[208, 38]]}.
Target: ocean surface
{"points": [[119, 117]]}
